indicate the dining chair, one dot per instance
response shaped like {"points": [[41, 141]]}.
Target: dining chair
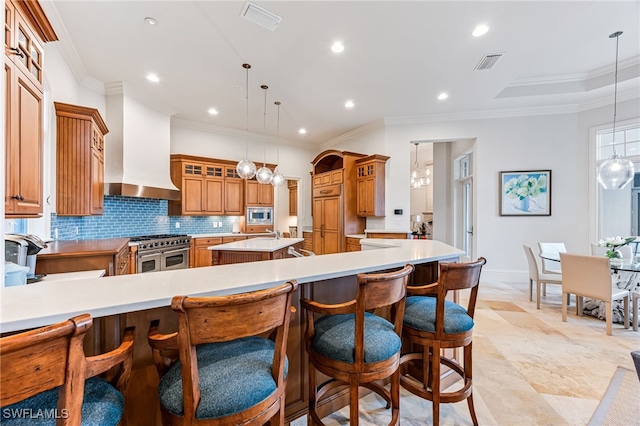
{"points": [[220, 368], [590, 276], [432, 323], [45, 371], [539, 278], [549, 266], [355, 347]]}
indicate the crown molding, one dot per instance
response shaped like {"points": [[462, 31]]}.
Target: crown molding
{"points": [[352, 134], [602, 102]]}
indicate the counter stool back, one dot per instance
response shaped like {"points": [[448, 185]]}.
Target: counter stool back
{"points": [[354, 346], [45, 370], [432, 323], [218, 369]]}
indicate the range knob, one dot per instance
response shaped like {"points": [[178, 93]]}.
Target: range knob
{"points": [[155, 244]]}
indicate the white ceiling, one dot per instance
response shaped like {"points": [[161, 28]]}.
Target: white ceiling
{"points": [[399, 56]]}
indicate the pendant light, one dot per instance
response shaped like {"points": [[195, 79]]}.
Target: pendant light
{"points": [[419, 177], [246, 168], [615, 172], [264, 175], [278, 178]]}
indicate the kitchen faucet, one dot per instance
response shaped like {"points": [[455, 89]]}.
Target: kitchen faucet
{"points": [[274, 232]]}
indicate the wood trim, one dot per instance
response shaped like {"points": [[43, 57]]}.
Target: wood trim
{"points": [[81, 112], [32, 12], [373, 157], [187, 157]]}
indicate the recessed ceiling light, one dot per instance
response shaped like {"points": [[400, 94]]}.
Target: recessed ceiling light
{"points": [[349, 104], [213, 111], [442, 96], [302, 131], [150, 21], [153, 78], [480, 30], [337, 47]]}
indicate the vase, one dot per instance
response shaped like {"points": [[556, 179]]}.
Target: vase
{"points": [[524, 204]]}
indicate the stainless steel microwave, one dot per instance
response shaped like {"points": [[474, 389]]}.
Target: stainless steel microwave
{"points": [[259, 215]]}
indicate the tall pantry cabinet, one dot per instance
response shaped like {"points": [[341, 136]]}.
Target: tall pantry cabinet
{"points": [[334, 200], [26, 28]]}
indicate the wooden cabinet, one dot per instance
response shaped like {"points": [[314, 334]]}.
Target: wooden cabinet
{"points": [[258, 194], [26, 29], [307, 244], [233, 192], [370, 185], [334, 201], [353, 244], [208, 187], [112, 255], [293, 197], [201, 256], [79, 160]]}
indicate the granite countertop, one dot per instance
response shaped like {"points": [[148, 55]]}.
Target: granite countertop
{"points": [[356, 236], [258, 244], [230, 234]]}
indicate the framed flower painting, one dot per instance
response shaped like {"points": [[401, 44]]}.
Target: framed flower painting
{"points": [[526, 193]]}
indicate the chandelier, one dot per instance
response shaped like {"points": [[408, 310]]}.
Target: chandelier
{"points": [[278, 178], [246, 168], [420, 176], [615, 172]]}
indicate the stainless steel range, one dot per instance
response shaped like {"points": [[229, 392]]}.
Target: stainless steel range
{"points": [[164, 252]]}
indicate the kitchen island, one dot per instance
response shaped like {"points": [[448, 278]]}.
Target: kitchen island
{"points": [[253, 250], [139, 298]]}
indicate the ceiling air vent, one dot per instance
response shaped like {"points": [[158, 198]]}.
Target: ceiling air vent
{"points": [[488, 61], [260, 16]]}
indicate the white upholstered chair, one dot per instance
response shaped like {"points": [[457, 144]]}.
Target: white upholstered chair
{"points": [[550, 266], [539, 278], [590, 276]]}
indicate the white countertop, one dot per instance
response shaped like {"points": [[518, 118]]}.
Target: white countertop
{"points": [[229, 234], [387, 231], [45, 303], [258, 244], [96, 273], [356, 236]]}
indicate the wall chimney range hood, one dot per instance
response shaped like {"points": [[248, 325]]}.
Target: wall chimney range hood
{"points": [[137, 154]]}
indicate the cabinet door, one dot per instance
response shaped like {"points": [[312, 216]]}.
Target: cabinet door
{"points": [[233, 197], [97, 181], [24, 163], [326, 225], [29, 58], [192, 192], [214, 196], [253, 193], [265, 195], [293, 201], [361, 196]]}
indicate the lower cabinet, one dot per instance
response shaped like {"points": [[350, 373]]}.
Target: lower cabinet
{"points": [[200, 255], [353, 244], [307, 244]]}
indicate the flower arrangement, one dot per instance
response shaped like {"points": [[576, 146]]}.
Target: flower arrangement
{"points": [[613, 244], [525, 186]]}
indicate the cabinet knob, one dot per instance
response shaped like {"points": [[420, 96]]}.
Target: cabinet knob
{"points": [[18, 197], [16, 51]]}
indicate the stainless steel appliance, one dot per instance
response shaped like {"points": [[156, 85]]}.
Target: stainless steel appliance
{"points": [[164, 252], [259, 215], [22, 250]]}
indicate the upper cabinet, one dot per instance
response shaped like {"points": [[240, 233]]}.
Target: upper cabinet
{"points": [[370, 183], [208, 187], [293, 197], [26, 29], [79, 160], [258, 194]]}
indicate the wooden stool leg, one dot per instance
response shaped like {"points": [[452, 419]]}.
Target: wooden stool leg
{"points": [[312, 394], [435, 383], [395, 397], [468, 373], [354, 402]]}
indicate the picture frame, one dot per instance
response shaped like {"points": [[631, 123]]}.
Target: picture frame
{"points": [[525, 193]]}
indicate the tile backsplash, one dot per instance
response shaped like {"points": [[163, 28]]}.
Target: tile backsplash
{"points": [[131, 216]]}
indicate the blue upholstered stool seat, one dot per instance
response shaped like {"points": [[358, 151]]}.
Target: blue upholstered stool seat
{"points": [[420, 314], [233, 376], [334, 338], [102, 406]]}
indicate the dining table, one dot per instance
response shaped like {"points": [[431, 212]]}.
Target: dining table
{"points": [[628, 265]]}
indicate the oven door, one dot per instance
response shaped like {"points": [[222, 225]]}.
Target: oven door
{"points": [[175, 259], [149, 262]]}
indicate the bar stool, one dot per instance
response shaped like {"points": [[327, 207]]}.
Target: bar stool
{"points": [[218, 369], [355, 347], [432, 323], [45, 371]]}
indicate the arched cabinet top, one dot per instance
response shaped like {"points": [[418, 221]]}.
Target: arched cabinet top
{"points": [[332, 160]]}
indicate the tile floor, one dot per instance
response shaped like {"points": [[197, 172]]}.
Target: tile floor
{"points": [[530, 368]]}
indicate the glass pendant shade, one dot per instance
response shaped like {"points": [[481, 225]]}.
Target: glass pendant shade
{"points": [[264, 175], [615, 172], [278, 179], [246, 169]]}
